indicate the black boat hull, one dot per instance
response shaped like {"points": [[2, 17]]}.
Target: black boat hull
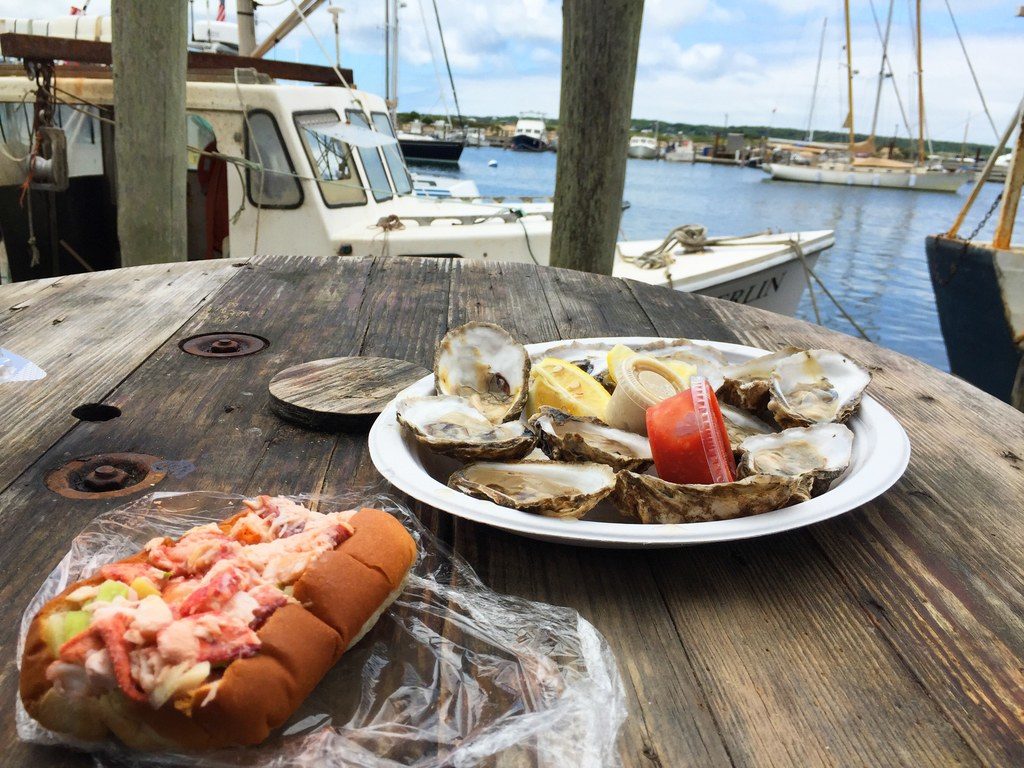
{"points": [[521, 143], [979, 340], [426, 151]]}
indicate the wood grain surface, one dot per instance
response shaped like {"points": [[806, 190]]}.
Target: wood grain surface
{"points": [[340, 392], [892, 635]]}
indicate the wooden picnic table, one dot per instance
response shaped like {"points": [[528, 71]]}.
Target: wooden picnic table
{"points": [[892, 635]]}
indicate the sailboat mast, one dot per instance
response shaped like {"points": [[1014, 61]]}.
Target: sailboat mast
{"points": [[817, 76], [849, 72], [881, 69], [920, 91]]}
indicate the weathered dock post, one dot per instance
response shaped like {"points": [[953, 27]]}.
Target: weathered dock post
{"points": [[600, 39], [149, 57]]}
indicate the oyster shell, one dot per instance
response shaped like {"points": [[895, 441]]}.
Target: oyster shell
{"points": [[551, 488], [746, 384], [452, 426], [566, 437], [815, 387], [653, 500], [484, 364], [740, 425], [821, 452]]}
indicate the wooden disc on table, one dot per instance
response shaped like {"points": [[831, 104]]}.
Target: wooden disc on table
{"points": [[340, 392]]}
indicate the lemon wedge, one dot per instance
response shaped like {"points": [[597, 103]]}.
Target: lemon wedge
{"points": [[616, 355], [621, 352], [562, 385]]}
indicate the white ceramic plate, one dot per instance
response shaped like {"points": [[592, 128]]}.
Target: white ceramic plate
{"points": [[881, 451]]}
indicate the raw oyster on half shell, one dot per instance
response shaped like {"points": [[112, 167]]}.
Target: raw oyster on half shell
{"points": [[551, 488], [565, 437], [821, 452], [746, 384], [484, 364], [652, 500], [815, 387], [452, 426], [741, 424]]}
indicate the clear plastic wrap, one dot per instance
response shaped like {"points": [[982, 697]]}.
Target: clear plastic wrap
{"points": [[17, 368], [453, 674]]}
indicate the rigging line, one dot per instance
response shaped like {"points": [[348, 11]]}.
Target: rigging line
{"points": [[433, 60], [970, 66], [444, 50], [892, 74]]}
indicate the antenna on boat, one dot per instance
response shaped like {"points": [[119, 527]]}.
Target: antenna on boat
{"points": [[336, 11]]}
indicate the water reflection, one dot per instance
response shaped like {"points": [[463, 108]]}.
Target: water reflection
{"points": [[877, 268]]}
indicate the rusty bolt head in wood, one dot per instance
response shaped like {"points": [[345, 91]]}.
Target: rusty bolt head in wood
{"points": [[106, 478], [223, 344]]}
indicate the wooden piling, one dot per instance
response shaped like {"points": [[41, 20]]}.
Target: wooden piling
{"points": [[149, 55], [600, 39]]}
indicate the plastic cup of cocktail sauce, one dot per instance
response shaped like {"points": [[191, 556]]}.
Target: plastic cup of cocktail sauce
{"points": [[688, 438]]}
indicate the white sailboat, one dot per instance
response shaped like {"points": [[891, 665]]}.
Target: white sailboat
{"points": [[823, 164]]}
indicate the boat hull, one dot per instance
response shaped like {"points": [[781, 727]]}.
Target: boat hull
{"points": [[521, 143], [642, 153], [974, 301], [429, 151], [766, 272], [888, 179]]}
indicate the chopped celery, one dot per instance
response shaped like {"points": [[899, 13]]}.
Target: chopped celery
{"points": [[110, 589], [75, 622]]}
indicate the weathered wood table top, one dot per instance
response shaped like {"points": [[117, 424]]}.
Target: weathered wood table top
{"points": [[892, 635]]}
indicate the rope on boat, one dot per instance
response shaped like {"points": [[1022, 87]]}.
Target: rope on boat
{"points": [[692, 238]]}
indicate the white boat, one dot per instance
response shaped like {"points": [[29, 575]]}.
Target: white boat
{"points": [[821, 162], [531, 135], [871, 172], [764, 271], [680, 152], [426, 185], [318, 171], [643, 147]]}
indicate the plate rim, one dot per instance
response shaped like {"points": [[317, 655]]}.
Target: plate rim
{"points": [[887, 465]]}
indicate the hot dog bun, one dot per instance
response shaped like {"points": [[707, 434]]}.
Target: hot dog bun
{"points": [[340, 596]]}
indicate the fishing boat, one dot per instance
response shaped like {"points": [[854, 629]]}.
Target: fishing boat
{"points": [[979, 288], [643, 147], [858, 166], [680, 151], [530, 134], [276, 167]]}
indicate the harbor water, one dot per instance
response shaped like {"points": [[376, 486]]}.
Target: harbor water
{"points": [[877, 268]]}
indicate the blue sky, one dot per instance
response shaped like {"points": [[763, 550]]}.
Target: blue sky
{"points": [[699, 59]]}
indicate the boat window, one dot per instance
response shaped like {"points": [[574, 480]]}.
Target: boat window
{"points": [[393, 155], [331, 160], [372, 164], [275, 185], [199, 135]]}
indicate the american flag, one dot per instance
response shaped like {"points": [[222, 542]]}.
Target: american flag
{"points": [[221, 13]]}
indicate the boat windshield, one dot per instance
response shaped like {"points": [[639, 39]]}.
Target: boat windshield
{"points": [[330, 159], [393, 155], [372, 164]]}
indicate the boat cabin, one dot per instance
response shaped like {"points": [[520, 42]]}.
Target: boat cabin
{"points": [[273, 167]]}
